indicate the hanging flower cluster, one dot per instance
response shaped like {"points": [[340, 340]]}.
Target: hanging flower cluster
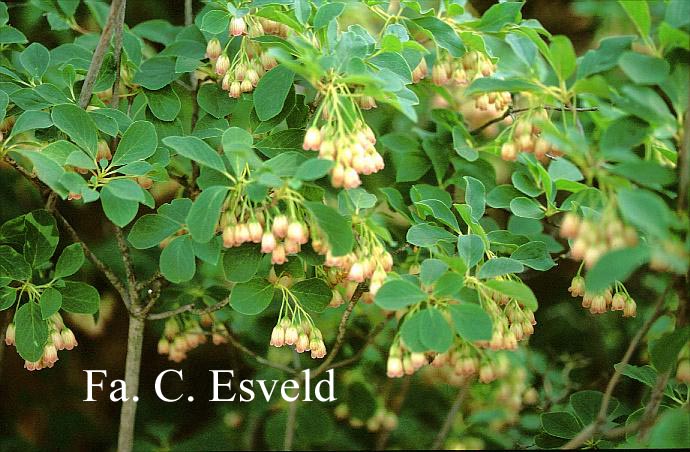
{"points": [[382, 418], [183, 333], [59, 338], [295, 327], [250, 63], [593, 238], [525, 136], [344, 137], [617, 299]]}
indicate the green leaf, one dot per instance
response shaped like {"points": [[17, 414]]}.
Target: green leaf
{"points": [[427, 235], [215, 21], [119, 211], [79, 298], [251, 297], [449, 285], [499, 15], [139, 142], [163, 103], [336, 228], [150, 230], [475, 197], [8, 296], [77, 125], [487, 84], [271, 92], [156, 72], [443, 34], [241, 263], [31, 332], [677, 13], [639, 14], [586, 405], [671, 430], [501, 195], [534, 255], [35, 59], [563, 56], [313, 169], [431, 270], [437, 334], [499, 266], [39, 246], [410, 332], [202, 219], [177, 261], [516, 290], [472, 323], [664, 351], [313, 293], [326, 13], [237, 147], [526, 208], [438, 210], [50, 302], [13, 265], [615, 265], [644, 69], [646, 210], [560, 424], [397, 294], [214, 101], [126, 189], [70, 261], [470, 249], [197, 150]]}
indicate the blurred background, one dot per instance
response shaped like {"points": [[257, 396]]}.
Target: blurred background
{"points": [[44, 410]]}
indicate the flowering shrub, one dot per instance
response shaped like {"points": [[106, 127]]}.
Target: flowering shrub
{"points": [[286, 166]]}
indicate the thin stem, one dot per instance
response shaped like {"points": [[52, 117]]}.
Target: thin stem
{"points": [[129, 270], [99, 54], [291, 423], [450, 418], [511, 111], [117, 53], [593, 428], [189, 308], [260, 359]]}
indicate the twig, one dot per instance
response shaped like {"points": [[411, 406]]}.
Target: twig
{"points": [[450, 418], [260, 359], [684, 165], [291, 422], [342, 329], [510, 111], [189, 308], [135, 339], [652, 408], [360, 352], [99, 54], [110, 276], [593, 428], [129, 270], [117, 53]]}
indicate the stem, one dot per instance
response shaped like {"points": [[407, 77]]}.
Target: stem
{"points": [[135, 339], [511, 111], [117, 53], [450, 418], [291, 423], [593, 428], [99, 53]]}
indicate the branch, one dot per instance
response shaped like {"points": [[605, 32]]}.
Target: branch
{"points": [[652, 408], [370, 340], [129, 270], [291, 422], [593, 428], [189, 308], [260, 359], [342, 329], [510, 111], [684, 165], [117, 53], [99, 53], [450, 418]]}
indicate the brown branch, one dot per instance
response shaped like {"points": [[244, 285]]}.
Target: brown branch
{"points": [[510, 111], [652, 408], [99, 54], [129, 270], [117, 53], [189, 308], [450, 418], [291, 423], [684, 165], [370, 340], [593, 428], [342, 329], [260, 359], [135, 340]]}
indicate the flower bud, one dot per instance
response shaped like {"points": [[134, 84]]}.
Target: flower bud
{"points": [[246, 86], [394, 367], [10, 334], [618, 302], [509, 152], [218, 338], [302, 343], [291, 247], [280, 226], [351, 179], [68, 339], [163, 346], [598, 305], [268, 242], [570, 226], [291, 335], [50, 354], [279, 257], [312, 139], [238, 26], [338, 175], [418, 360], [683, 371], [213, 49], [356, 273], [336, 299], [235, 90], [255, 231], [297, 233], [103, 151], [229, 236], [222, 64], [577, 286], [278, 336], [56, 339], [630, 309]]}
